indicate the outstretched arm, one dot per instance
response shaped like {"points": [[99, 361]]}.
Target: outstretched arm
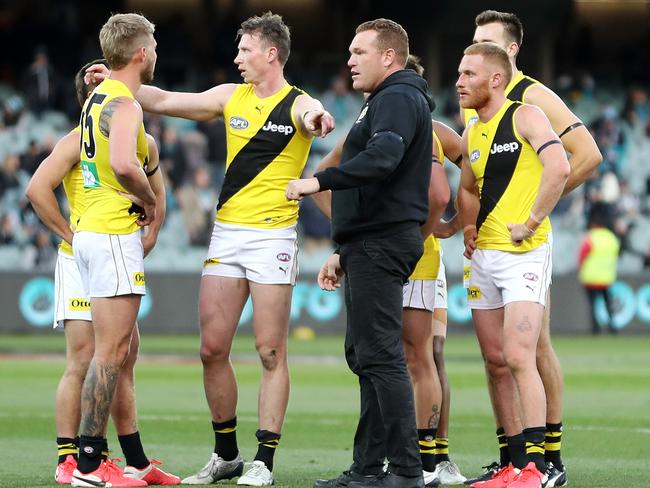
{"points": [[310, 116], [392, 123], [48, 176], [196, 106]]}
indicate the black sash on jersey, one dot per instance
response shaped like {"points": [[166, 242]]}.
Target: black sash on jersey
{"points": [[260, 151], [499, 166], [517, 92]]}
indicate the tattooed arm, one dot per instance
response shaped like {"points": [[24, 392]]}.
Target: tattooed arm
{"points": [[120, 121]]}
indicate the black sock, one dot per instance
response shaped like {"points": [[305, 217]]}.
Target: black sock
{"points": [[267, 443], [504, 453], [517, 449], [535, 446], [65, 447], [133, 450], [442, 449], [90, 453], [427, 444], [553, 444], [225, 439]]}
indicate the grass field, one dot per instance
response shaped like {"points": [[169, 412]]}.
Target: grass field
{"points": [[607, 420]]}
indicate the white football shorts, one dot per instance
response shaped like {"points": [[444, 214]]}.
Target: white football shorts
{"points": [[500, 277], [427, 294], [419, 294], [70, 299], [266, 256], [110, 264]]}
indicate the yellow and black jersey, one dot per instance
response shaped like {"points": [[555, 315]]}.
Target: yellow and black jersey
{"points": [[73, 186], [515, 91], [266, 150], [107, 211], [429, 264], [508, 173]]}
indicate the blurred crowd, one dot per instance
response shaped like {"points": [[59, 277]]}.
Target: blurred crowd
{"points": [[33, 117]]}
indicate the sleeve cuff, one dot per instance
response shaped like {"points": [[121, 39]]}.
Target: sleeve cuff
{"points": [[324, 180]]}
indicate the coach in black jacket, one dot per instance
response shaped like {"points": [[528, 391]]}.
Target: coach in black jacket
{"points": [[379, 202]]}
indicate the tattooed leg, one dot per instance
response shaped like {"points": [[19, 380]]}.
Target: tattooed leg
{"points": [[113, 321], [522, 324], [417, 336], [96, 397], [435, 417]]}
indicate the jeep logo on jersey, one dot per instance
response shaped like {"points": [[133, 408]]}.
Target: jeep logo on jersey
{"points": [[476, 154], [284, 257], [507, 147], [282, 129], [238, 123]]}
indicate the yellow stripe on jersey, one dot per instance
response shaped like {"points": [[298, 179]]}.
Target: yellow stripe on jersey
{"points": [[107, 212], [515, 91], [508, 173], [266, 150], [73, 187]]}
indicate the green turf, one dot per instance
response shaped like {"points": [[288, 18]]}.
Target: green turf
{"points": [[607, 426]]}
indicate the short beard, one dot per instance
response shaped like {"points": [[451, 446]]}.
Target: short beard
{"points": [[146, 76], [479, 99]]}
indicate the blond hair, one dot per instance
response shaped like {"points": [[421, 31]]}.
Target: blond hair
{"points": [[390, 35], [494, 54], [121, 36]]}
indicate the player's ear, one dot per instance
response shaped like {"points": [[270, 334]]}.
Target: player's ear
{"points": [[272, 54], [513, 49], [141, 54], [494, 80]]}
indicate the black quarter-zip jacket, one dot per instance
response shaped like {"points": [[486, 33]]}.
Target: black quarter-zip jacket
{"points": [[381, 186]]}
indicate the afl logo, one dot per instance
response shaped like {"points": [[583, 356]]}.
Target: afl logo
{"points": [[531, 276], [284, 257], [476, 154], [238, 123]]}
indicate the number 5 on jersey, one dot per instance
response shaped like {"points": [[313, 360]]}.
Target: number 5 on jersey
{"points": [[87, 141]]}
